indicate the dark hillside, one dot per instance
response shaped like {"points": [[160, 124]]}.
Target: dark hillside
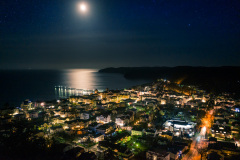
{"points": [[213, 79]]}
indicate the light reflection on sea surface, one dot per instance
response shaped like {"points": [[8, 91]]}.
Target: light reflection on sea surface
{"points": [[19, 85], [80, 78], [92, 79]]}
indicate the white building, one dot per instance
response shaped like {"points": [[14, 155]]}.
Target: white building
{"points": [[179, 127], [103, 119], [179, 124], [84, 115], [122, 121]]}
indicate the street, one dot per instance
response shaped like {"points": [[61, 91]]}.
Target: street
{"points": [[198, 141]]}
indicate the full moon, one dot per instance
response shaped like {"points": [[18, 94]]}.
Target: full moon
{"points": [[82, 7]]}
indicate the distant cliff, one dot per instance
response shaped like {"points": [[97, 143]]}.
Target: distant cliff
{"points": [[217, 79]]}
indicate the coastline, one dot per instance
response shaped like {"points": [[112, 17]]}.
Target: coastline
{"points": [[211, 79]]}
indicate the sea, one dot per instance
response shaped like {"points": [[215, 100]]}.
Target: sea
{"points": [[39, 85]]}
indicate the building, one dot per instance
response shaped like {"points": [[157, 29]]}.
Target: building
{"points": [[179, 124], [103, 119], [122, 120], [137, 132], [157, 154], [179, 127], [84, 115], [33, 114], [105, 128], [96, 138]]}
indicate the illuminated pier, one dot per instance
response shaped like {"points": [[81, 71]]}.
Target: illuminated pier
{"points": [[65, 92]]}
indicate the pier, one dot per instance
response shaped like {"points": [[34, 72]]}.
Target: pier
{"points": [[66, 92]]}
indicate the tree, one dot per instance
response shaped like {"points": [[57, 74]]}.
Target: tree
{"points": [[201, 151], [74, 112], [51, 113]]}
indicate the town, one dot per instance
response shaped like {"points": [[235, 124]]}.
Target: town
{"points": [[161, 120]]}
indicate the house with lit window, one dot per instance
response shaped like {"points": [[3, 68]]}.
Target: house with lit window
{"points": [[106, 128], [157, 154], [103, 119], [96, 137], [122, 120]]}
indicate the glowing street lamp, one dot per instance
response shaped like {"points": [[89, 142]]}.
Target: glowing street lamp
{"points": [[204, 129]]}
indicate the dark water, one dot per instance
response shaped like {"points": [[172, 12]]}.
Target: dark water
{"points": [[18, 85]]}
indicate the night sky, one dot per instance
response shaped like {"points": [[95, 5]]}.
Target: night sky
{"points": [[54, 34]]}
